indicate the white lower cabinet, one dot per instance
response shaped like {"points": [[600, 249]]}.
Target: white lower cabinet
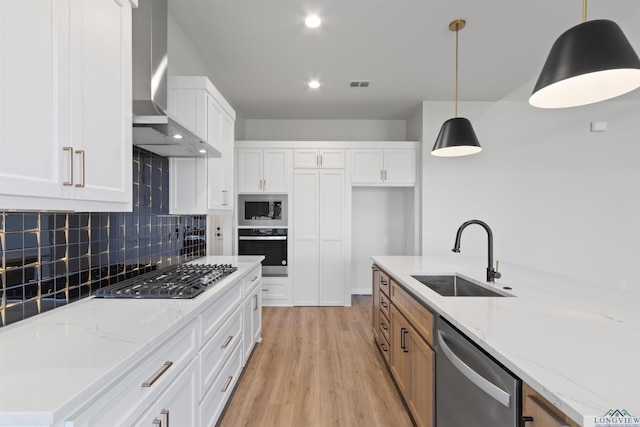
{"points": [[188, 379], [252, 319], [319, 237], [216, 397], [176, 405], [276, 291]]}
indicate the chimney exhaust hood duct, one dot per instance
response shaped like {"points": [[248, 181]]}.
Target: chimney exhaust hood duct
{"points": [[153, 128]]}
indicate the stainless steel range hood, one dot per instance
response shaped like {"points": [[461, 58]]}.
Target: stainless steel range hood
{"points": [[153, 128]]}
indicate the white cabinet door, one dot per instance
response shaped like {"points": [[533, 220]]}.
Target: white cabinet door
{"points": [[252, 322], [367, 166], [100, 108], [319, 237], [305, 234], [275, 170], [221, 169], [331, 204], [33, 162], [189, 106], [384, 167], [276, 291], [177, 405], [263, 171], [400, 166], [249, 170], [71, 73], [314, 158], [214, 123], [188, 185]]}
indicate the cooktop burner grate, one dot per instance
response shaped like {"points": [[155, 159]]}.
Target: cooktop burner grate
{"points": [[178, 282]]}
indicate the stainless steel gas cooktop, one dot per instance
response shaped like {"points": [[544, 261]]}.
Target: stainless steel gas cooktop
{"points": [[180, 282]]}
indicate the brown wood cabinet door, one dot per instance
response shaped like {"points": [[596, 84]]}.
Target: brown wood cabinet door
{"points": [[376, 303], [422, 384], [400, 360], [543, 413]]}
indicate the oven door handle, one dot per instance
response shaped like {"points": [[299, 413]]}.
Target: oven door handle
{"points": [[262, 238], [491, 389]]}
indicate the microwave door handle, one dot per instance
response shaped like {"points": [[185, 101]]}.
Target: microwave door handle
{"points": [[262, 238], [491, 389]]}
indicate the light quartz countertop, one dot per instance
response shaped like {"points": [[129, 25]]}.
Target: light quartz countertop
{"points": [[576, 343], [51, 362]]}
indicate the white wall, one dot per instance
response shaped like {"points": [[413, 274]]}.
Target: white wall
{"points": [[325, 130], [558, 197]]}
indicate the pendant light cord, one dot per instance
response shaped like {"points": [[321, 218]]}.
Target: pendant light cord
{"points": [[456, 110], [584, 11]]}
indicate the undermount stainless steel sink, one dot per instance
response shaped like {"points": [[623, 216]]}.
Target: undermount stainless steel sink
{"points": [[456, 286]]}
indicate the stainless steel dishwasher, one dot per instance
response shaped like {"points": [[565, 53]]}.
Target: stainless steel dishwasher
{"points": [[472, 390]]}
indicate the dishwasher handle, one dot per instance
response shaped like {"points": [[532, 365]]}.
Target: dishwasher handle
{"points": [[491, 389]]}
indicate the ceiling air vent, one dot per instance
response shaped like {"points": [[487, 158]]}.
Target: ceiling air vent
{"points": [[359, 83]]}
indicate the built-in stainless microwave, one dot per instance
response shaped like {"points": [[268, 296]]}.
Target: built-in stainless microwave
{"points": [[262, 210]]}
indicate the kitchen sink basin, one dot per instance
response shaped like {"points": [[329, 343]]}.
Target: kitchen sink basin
{"points": [[456, 286]]}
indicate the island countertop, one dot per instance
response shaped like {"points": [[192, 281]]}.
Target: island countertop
{"points": [[574, 342], [51, 362]]}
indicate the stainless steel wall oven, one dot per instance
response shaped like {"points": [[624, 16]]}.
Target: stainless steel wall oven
{"points": [[270, 242]]}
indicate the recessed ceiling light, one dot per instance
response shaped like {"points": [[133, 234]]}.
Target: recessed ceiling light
{"points": [[177, 136], [313, 21], [202, 151], [314, 84]]}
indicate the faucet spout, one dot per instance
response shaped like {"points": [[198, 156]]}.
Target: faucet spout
{"points": [[492, 274]]}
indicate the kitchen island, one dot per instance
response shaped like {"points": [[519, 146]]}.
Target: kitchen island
{"points": [[575, 343], [55, 365]]}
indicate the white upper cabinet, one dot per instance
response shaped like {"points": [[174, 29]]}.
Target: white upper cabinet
{"points": [[197, 104], [318, 158], [263, 170], [393, 167], [188, 185], [65, 109]]}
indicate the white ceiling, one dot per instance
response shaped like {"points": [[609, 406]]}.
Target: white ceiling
{"points": [[261, 55]]}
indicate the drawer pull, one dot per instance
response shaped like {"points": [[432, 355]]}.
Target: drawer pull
{"points": [[265, 290], [384, 326], [226, 386], [162, 370], [384, 304], [227, 341], [254, 278], [383, 347], [157, 422], [165, 413]]}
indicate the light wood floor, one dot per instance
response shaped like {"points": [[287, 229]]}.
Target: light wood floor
{"points": [[316, 366]]}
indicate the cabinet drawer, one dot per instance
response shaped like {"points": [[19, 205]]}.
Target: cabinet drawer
{"points": [[274, 291], [215, 314], [218, 395], [118, 402], [251, 280], [384, 283], [416, 313], [385, 348], [385, 325], [217, 350], [384, 304]]}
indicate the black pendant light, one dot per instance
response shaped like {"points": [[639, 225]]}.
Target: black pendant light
{"points": [[588, 63], [456, 137]]}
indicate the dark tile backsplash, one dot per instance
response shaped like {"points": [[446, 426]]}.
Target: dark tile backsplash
{"points": [[51, 259]]}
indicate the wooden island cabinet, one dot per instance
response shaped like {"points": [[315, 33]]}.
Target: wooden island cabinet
{"points": [[403, 329]]}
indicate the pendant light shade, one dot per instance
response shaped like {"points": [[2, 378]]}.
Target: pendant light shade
{"points": [[590, 62], [456, 137]]}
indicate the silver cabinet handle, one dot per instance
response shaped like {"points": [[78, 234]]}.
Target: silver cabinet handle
{"points": [[320, 159], [70, 182], [157, 422], [255, 298], [227, 341], [165, 414], [265, 290], [385, 174], [158, 374], [226, 386], [491, 389], [254, 278], [81, 152], [381, 175], [225, 197], [264, 184]]}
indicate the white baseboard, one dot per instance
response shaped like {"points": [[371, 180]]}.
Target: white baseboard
{"points": [[361, 291]]}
